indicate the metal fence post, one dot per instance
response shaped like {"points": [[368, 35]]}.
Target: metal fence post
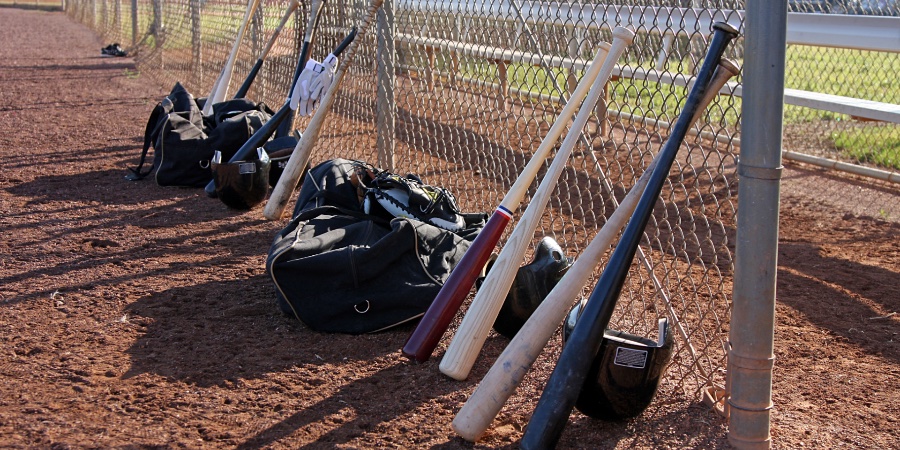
{"points": [[751, 355], [134, 23], [158, 31], [196, 41], [385, 105]]}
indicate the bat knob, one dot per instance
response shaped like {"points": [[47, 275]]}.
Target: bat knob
{"points": [[624, 34], [726, 28]]}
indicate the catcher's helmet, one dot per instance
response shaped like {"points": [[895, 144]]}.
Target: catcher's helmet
{"points": [[241, 184], [279, 150], [626, 372], [532, 284]]}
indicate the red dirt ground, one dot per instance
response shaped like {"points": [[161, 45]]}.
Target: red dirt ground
{"points": [[135, 316]]}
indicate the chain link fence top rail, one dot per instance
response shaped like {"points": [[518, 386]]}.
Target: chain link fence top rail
{"points": [[462, 92]]}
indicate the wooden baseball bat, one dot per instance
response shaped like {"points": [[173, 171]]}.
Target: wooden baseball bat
{"points": [[434, 323], [300, 156], [262, 135], [220, 87], [251, 76], [517, 358], [476, 324], [562, 389]]}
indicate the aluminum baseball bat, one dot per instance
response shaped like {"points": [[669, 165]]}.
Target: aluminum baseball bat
{"points": [[434, 323], [262, 135], [251, 76], [517, 358], [284, 189], [220, 87], [476, 324], [562, 389]]}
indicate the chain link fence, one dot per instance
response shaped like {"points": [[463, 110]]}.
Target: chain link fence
{"points": [[461, 92], [868, 75]]}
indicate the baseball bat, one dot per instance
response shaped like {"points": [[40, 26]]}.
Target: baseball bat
{"points": [[562, 389], [300, 156], [517, 358], [315, 11], [476, 324], [262, 135], [251, 76], [220, 87], [434, 323]]}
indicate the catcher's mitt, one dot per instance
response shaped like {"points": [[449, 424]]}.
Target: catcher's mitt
{"points": [[410, 197]]}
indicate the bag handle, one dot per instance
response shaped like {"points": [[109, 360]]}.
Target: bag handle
{"points": [[152, 129]]}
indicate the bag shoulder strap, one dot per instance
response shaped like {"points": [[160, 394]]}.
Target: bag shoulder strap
{"points": [[150, 131]]}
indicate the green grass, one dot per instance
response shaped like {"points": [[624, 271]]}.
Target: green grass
{"points": [[874, 144]]}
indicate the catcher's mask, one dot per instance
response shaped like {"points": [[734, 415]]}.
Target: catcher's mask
{"points": [[241, 184], [626, 372], [532, 284]]}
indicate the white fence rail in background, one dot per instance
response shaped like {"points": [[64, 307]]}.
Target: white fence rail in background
{"points": [[868, 33]]}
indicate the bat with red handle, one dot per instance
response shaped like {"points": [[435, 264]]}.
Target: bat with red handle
{"points": [[220, 86], [476, 324], [517, 358], [434, 323], [552, 411], [295, 165]]}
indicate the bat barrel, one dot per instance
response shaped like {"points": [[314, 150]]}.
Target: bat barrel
{"points": [[248, 81], [440, 313], [556, 402]]}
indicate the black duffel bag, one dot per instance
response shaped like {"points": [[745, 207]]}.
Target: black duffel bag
{"points": [[339, 269], [184, 140]]}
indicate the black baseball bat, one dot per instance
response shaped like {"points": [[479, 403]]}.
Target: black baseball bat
{"points": [[266, 131], [559, 396], [251, 76]]}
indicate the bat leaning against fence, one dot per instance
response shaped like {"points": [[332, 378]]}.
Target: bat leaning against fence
{"points": [[251, 76], [220, 86], [517, 358], [476, 324], [315, 12], [562, 389], [259, 138], [280, 124], [300, 156], [424, 339]]}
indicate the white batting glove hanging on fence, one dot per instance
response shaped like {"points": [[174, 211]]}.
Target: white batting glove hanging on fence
{"points": [[300, 100], [322, 82], [312, 84]]}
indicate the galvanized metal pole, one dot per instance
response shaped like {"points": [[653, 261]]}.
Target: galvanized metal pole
{"points": [[751, 356], [134, 23], [386, 104]]}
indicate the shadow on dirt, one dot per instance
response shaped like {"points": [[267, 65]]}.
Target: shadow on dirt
{"points": [[374, 400], [803, 269], [212, 332]]}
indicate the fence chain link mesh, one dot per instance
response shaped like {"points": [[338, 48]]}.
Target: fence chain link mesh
{"points": [[462, 92]]}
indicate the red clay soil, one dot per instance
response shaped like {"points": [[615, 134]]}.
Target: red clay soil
{"points": [[135, 316]]}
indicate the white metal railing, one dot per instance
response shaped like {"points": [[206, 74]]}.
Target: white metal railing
{"points": [[869, 33]]}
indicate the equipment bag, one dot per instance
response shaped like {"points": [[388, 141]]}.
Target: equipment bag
{"points": [[184, 140], [338, 269]]}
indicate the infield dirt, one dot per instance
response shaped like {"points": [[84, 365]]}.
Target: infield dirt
{"points": [[135, 316]]}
